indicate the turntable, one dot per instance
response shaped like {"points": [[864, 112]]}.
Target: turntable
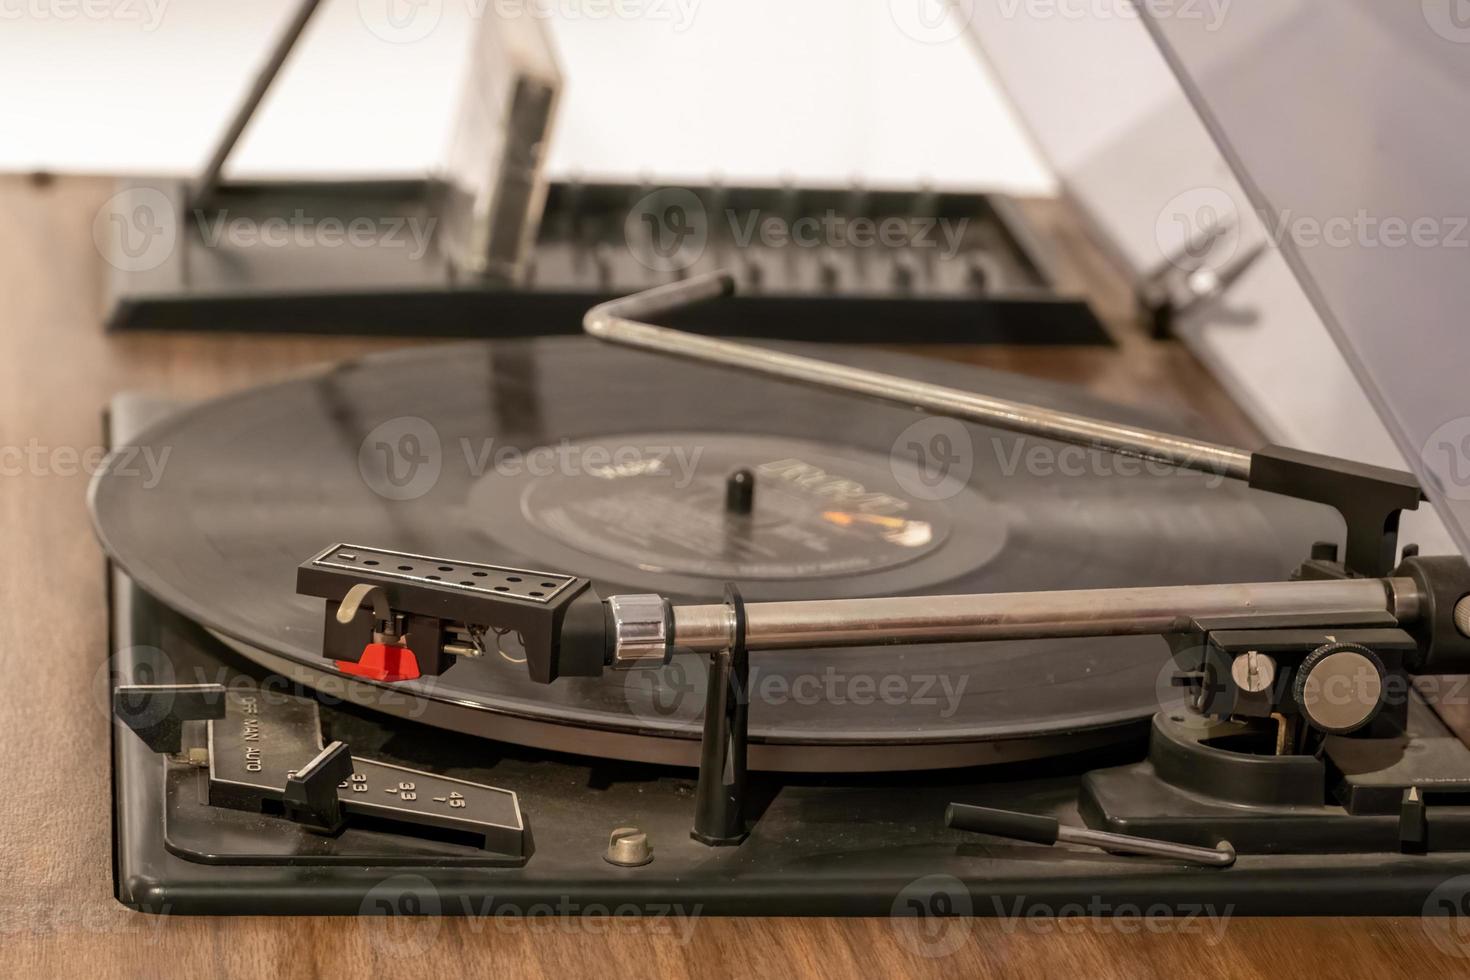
{"points": [[654, 621], [533, 622]]}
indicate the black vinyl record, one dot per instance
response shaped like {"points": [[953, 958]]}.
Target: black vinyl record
{"points": [[567, 456]]}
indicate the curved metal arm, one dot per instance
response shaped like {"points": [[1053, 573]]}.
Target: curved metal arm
{"points": [[620, 322]]}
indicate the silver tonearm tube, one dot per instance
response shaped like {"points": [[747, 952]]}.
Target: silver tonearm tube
{"points": [[647, 629]]}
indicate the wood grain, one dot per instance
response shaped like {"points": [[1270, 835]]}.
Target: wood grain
{"points": [[57, 914]]}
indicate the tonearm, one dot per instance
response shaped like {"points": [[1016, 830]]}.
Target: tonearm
{"points": [[1264, 650]]}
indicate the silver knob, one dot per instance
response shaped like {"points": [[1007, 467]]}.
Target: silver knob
{"points": [[642, 631], [1340, 687], [1462, 616], [1253, 672], [628, 847]]}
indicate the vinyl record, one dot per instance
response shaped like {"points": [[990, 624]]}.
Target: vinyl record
{"points": [[563, 455]]}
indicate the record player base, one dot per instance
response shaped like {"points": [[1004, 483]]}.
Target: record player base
{"points": [[842, 845]]}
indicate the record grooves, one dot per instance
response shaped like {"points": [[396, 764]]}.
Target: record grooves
{"points": [[569, 457]]}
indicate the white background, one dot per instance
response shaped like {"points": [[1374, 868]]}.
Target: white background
{"points": [[819, 91], [889, 92]]}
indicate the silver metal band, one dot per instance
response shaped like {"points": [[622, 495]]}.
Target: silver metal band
{"points": [[642, 631], [620, 321]]}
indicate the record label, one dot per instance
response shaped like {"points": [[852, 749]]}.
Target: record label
{"points": [[658, 502]]}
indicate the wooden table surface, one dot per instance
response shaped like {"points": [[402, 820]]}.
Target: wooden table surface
{"points": [[57, 913]]}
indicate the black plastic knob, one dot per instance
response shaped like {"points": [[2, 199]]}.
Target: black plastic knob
{"points": [[1002, 823], [310, 793]]}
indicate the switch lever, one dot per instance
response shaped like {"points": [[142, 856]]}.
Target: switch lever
{"points": [[311, 791], [1046, 830], [157, 712]]}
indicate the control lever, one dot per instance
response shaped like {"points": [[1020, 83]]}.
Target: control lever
{"points": [[310, 797], [157, 712], [1046, 830], [265, 755]]}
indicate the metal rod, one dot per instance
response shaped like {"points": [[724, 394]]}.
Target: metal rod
{"points": [[1036, 615], [208, 181], [620, 321], [1220, 857], [1040, 829]]}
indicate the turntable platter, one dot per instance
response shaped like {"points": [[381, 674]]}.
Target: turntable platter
{"points": [[572, 457]]}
